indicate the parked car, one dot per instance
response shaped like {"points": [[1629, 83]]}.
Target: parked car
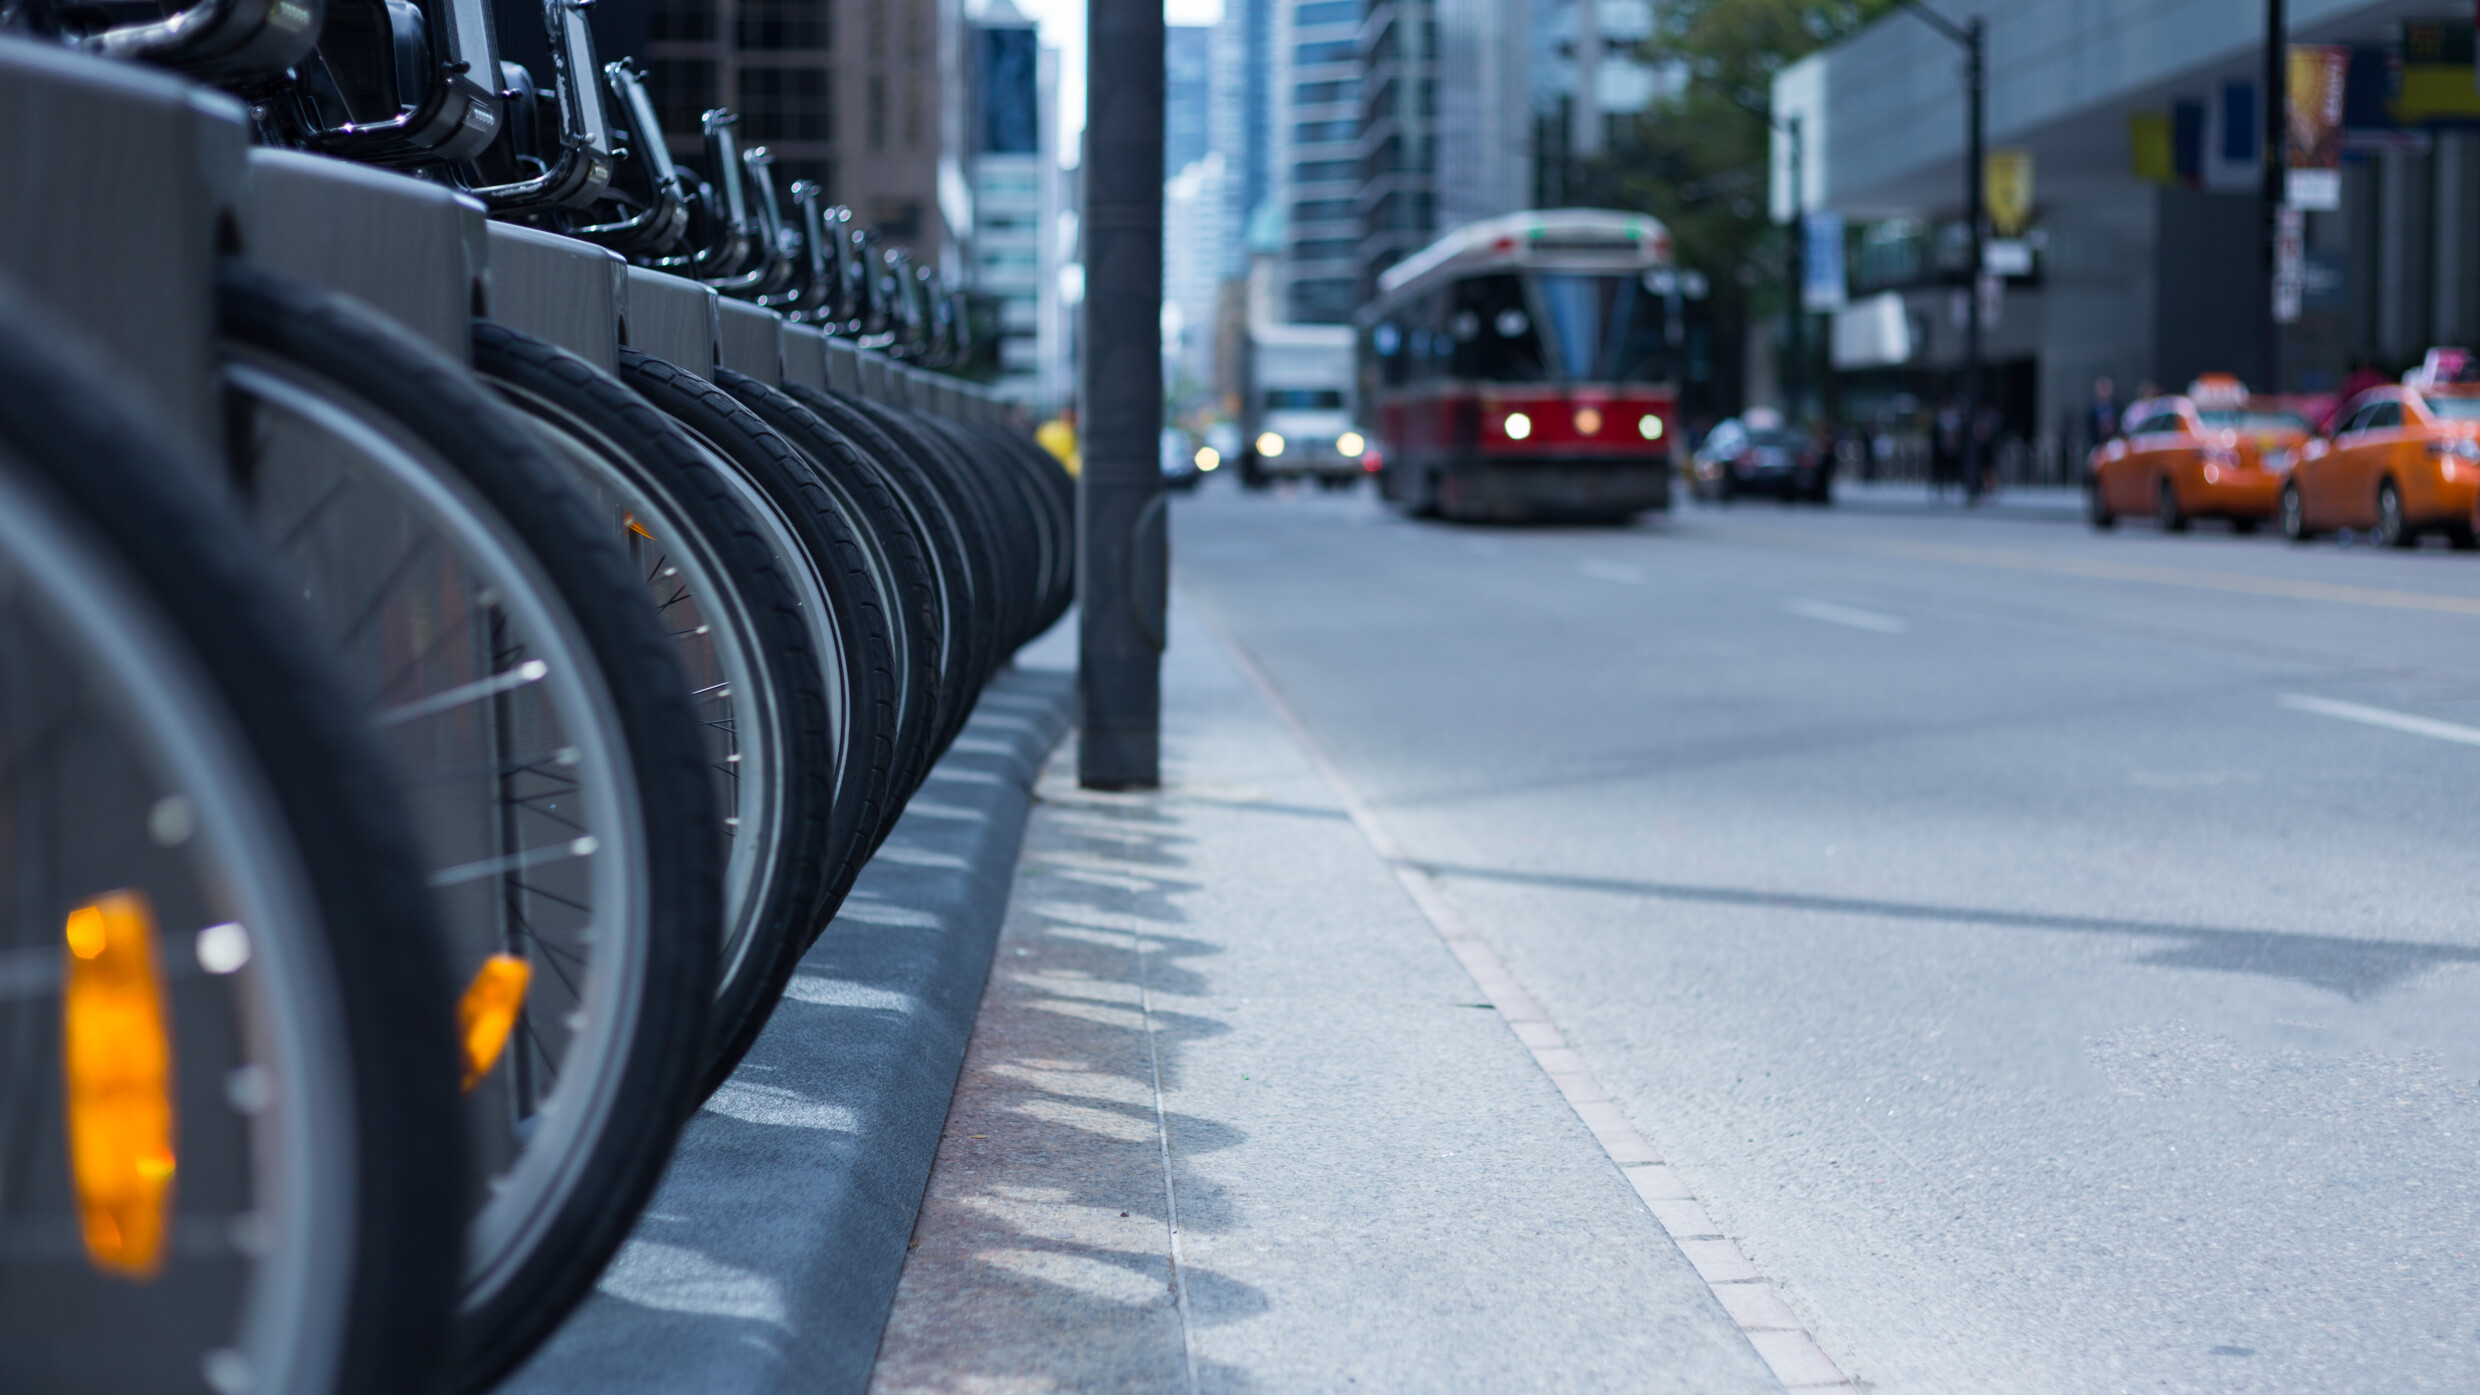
{"points": [[2216, 452], [1757, 454], [2403, 461]]}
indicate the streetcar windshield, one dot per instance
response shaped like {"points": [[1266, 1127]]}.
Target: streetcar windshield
{"points": [[1601, 328]]}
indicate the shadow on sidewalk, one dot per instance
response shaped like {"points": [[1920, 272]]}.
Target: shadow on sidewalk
{"points": [[1042, 1259]]}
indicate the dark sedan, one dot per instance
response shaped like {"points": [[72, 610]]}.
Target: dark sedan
{"points": [[1738, 458]]}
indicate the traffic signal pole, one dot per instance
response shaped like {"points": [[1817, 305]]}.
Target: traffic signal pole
{"points": [[1123, 558], [1969, 36]]}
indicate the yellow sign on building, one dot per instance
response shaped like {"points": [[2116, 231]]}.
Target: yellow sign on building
{"points": [[2006, 189]]}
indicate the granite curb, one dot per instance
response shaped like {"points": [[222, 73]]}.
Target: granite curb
{"points": [[769, 1258]]}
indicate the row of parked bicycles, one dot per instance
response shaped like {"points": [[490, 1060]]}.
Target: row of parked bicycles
{"points": [[410, 813]]}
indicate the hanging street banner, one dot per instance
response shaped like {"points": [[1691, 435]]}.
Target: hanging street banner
{"points": [[1821, 277], [2006, 182], [2314, 150]]}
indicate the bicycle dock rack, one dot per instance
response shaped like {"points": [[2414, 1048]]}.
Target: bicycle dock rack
{"points": [[123, 187], [433, 553]]}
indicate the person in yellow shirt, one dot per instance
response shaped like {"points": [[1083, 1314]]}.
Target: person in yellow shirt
{"points": [[1058, 436]]}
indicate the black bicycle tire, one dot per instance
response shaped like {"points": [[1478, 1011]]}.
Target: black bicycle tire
{"points": [[879, 515], [961, 625], [786, 475], [329, 784], [979, 548], [1058, 491], [703, 502], [431, 396], [1012, 553], [1020, 515]]}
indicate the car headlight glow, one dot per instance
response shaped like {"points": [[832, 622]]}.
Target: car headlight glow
{"points": [[1208, 457], [1269, 444], [1350, 443]]}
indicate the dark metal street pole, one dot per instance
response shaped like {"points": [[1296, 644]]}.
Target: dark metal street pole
{"points": [[1975, 161], [2275, 164], [1123, 559], [1969, 36]]}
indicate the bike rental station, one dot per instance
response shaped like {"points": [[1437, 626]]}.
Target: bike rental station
{"points": [[474, 595]]}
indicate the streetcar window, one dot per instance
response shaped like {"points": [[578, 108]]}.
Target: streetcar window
{"points": [[1386, 339], [1603, 328], [1496, 300]]}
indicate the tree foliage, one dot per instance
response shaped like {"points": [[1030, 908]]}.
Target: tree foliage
{"points": [[1697, 159]]}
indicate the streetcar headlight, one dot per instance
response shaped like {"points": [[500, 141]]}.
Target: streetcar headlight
{"points": [[1350, 443], [1208, 457], [1649, 426], [1518, 426], [1269, 445]]}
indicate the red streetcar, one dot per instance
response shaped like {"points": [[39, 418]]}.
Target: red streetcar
{"points": [[1524, 367]]}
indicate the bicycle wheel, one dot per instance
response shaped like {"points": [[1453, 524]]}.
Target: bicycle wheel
{"points": [[230, 1144], [1018, 512], [964, 621], [784, 490], [990, 547], [558, 782], [742, 636], [894, 549]]}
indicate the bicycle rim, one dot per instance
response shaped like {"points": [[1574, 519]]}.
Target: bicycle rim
{"points": [[124, 792], [490, 701]]}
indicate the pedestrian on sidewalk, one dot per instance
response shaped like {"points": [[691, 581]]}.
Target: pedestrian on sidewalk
{"points": [[2101, 414]]}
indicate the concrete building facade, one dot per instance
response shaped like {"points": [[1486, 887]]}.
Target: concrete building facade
{"points": [[855, 94], [2141, 262]]}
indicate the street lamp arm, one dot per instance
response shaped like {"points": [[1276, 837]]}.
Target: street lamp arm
{"points": [[1955, 33]]}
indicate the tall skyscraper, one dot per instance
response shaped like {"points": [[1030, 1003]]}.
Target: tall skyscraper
{"points": [[1318, 171], [1010, 148]]}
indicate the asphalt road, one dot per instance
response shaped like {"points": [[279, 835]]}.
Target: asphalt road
{"points": [[2051, 955]]}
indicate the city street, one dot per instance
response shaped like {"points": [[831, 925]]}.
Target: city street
{"points": [[2049, 955]]}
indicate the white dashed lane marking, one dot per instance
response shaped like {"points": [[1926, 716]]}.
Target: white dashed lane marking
{"points": [[1834, 614], [2383, 717], [1612, 571]]}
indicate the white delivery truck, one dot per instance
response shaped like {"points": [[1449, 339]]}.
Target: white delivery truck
{"points": [[1296, 419]]}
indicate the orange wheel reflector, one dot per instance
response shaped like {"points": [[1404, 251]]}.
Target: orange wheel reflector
{"points": [[488, 1012], [636, 527], [116, 1062]]}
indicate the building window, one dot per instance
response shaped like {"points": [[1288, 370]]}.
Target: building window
{"points": [[681, 21], [1323, 250], [786, 104], [1340, 51], [683, 90], [1328, 12], [1311, 94], [1325, 171], [782, 24], [1326, 132], [1322, 211]]}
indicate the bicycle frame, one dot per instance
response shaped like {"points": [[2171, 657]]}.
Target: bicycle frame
{"points": [[237, 43], [656, 228], [581, 171]]}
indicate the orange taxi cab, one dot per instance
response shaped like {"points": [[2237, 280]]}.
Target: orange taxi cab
{"points": [[2400, 462], [2214, 453]]}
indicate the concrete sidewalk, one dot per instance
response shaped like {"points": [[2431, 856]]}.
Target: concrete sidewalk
{"points": [[1233, 1118]]}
